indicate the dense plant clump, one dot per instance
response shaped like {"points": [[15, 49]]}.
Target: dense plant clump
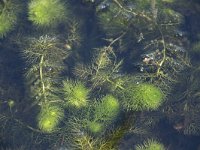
{"points": [[75, 94], [46, 12], [8, 16], [142, 96], [98, 75], [49, 118]]}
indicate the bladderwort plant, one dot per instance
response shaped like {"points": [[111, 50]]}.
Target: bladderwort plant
{"points": [[75, 94], [9, 11], [44, 57], [49, 118], [44, 13], [105, 112], [142, 96]]}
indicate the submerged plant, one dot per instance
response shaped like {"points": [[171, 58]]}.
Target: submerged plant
{"points": [[150, 145], [49, 118], [92, 101], [44, 56], [142, 96], [102, 70], [8, 16], [75, 94], [104, 113], [47, 12]]}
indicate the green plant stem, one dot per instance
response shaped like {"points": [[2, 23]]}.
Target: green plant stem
{"points": [[132, 12], [41, 77], [163, 51]]}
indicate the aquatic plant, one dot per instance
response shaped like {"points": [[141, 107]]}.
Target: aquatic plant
{"points": [[136, 57], [49, 118], [150, 145], [102, 69], [75, 94], [105, 111], [9, 10], [46, 12], [44, 57], [142, 96], [95, 127]]}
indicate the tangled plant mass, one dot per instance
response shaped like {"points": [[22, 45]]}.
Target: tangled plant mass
{"points": [[88, 75]]}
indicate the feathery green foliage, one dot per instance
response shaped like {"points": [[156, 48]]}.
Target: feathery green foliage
{"points": [[8, 16], [75, 94], [89, 105], [47, 12], [107, 109], [49, 118], [44, 57], [102, 69], [95, 127], [150, 145], [142, 96]]}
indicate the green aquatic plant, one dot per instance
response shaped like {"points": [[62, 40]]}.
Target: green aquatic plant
{"points": [[8, 16], [46, 12], [95, 127], [75, 94], [49, 118], [142, 96], [105, 111], [150, 145], [44, 57], [102, 70]]}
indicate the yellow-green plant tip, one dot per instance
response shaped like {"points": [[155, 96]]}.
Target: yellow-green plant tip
{"points": [[11, 103], [111, 103], [143, 96], [107, 109], [75, 94], [49, 118], [46, 12], [95, 127], [150, 145]]}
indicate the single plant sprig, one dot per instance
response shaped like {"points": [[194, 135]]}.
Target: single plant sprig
{"points": [[44, 57], [47, 12], [102, 70], [74, 37]]}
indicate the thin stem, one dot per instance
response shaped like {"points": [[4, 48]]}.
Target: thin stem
{"points": [[132, 12], [41, 77], [163, 51]]}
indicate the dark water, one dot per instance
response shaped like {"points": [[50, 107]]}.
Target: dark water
{"points": [[102, 50]]}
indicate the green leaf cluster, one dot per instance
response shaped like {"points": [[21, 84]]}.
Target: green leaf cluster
{"points": [[49, 118], [8, 16], [46, 12], [142, 96], [75, 94]]}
